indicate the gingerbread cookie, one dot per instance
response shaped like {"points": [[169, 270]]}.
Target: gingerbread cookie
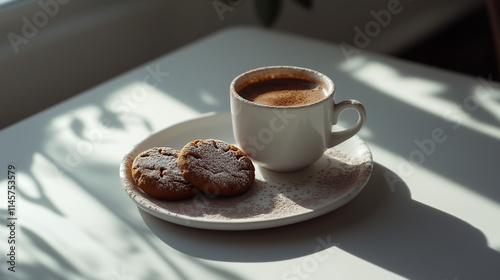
{"points": [[216, 167], [156, 173]]}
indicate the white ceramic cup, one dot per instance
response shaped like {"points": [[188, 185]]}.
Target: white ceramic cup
{"points": [[286, 139]]}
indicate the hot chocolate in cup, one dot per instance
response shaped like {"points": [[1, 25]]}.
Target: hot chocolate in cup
{"points": [[282, 116], [284, 92]]}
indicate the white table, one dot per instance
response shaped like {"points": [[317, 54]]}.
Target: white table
{"points": [[431, 209]]}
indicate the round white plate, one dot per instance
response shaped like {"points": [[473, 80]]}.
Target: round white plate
{"points": [[275, 199]]}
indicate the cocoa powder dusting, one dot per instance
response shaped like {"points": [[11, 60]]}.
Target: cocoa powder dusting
{"points": [[283, 92]]}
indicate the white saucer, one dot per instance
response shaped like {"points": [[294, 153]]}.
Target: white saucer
{"points": [[275, 199]]}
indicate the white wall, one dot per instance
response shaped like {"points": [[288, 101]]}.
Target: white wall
{"points": [[75, 45]]}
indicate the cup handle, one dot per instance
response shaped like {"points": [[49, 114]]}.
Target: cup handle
{"points": [[338, 137]]}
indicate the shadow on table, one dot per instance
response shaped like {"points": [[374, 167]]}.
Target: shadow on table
{"points": [[383, 226]]}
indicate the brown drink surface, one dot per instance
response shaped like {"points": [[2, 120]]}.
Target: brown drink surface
{"points": [[283, 92]]}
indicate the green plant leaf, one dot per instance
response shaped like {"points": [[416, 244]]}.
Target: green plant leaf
{"points": [[267, 11]]}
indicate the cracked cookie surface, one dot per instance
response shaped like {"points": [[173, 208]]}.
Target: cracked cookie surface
{"points": [[216, 167], [155, 172]]}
